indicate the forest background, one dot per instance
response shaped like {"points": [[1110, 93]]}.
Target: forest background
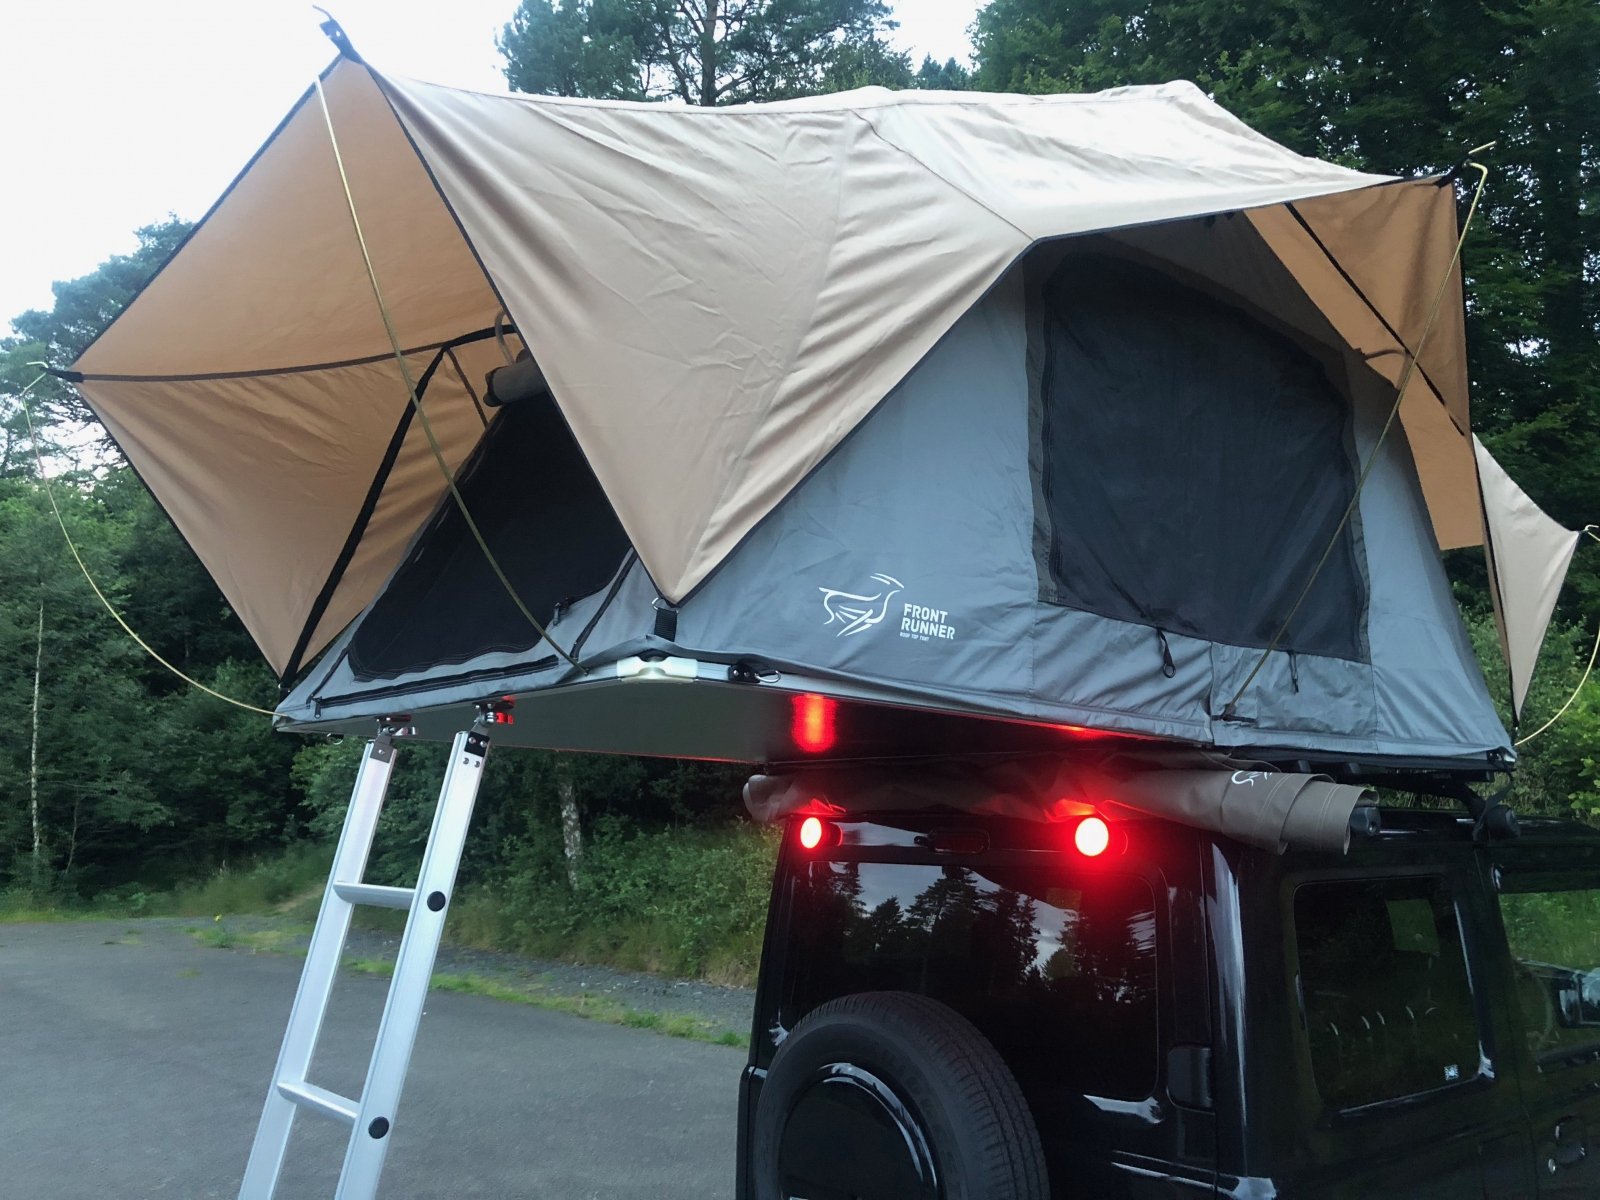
{"points": [[120, 787]]}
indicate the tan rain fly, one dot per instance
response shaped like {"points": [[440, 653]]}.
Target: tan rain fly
{"points": [[1528, 558], [716, 296]]}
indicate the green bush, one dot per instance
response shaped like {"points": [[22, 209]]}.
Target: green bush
{"points": [[1558, 771], [298, 873], [667, 882], [689, 902]]}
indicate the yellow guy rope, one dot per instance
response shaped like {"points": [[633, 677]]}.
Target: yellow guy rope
{"points": [[1412, 359], [38, 457], [1560, 712], [416, 400]]}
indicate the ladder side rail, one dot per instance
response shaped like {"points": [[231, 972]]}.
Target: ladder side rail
{"points": [[321, 968], [408, 990]]}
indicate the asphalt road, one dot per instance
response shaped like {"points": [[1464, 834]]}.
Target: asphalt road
{"points": [[133, 1063]]}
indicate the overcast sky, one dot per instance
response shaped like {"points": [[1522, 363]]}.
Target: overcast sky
{"points": [[118, 113]]}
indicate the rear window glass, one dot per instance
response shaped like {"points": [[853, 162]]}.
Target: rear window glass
{"points": [[1383, 985], [1059, 972], [1553, 930]]}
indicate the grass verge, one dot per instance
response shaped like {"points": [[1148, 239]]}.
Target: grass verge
{"points": [[257, 941], [29, 913], [288, 883], [592, 1008], [686, 903]]}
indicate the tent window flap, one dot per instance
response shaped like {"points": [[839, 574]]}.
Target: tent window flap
{"points": [[1193, 465]]}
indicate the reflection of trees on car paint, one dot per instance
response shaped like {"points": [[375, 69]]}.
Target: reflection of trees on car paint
{"points": [[1554, 936], [1012, 948]]}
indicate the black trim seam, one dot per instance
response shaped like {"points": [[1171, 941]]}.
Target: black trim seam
{"points": [[369, 504], [1373, 308]]}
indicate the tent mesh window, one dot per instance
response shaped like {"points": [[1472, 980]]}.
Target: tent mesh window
{"points": [[550, 526], [1193, 465]]}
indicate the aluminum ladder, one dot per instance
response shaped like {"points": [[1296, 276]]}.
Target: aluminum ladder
{"points": [[370, 1117]]}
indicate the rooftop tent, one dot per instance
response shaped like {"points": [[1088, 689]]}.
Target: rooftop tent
{"points": [[1037, 408], [1089, 508]]}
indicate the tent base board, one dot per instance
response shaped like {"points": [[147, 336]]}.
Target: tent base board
{"points": [[669, 708], [656, 715]]}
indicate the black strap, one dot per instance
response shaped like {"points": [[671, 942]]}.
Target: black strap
{"points": [[1168, 667]]}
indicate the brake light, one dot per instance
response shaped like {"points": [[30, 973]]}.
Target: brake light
{"points": [[1092, 837], [814, 833], [813, 724]]}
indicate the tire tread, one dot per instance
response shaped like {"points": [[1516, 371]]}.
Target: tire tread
{"points": [[1008, 1138]]}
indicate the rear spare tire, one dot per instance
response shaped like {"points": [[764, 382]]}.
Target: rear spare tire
{"points": [[892, 1096]]}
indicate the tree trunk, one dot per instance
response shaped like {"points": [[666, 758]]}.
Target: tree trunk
{"points": [[72, 839], [708, 55], [571, 830], [33, 755]]}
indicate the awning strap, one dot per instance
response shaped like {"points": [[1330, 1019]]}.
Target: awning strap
{"points": [[415, 397]]}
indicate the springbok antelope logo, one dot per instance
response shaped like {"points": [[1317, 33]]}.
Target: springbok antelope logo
{"points": [[856, 612]]}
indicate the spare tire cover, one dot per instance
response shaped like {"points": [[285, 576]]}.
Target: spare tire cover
{"points": [[893, 1096]]}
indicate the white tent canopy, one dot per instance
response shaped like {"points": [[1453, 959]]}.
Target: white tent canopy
{"points": [[717, 297]]}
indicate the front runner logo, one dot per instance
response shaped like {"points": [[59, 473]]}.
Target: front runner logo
{"points": [[858, 613], [924, 624]]}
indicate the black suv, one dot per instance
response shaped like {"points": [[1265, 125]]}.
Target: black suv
{"points": [[972, 1008]]}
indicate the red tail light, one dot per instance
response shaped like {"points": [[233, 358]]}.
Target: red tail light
{"points": [[813, 724], [1092, 837], [814, 833]]}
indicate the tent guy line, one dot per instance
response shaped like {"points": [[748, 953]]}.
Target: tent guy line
{"points": [[1582, 679], [50, 493], [1412, 359], [411, 385]]}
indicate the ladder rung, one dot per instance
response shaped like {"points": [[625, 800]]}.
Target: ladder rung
{"points": [[366, 1119], [329, 1104], [371, 893]]}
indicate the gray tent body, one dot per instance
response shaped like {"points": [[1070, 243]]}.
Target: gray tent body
{"points": [[1031, 528]]}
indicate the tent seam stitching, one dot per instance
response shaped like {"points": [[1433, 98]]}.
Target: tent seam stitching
{"points": [[949, 183]]}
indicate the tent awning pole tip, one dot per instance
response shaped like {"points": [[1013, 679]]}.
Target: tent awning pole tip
{"points": [[336, 34]]}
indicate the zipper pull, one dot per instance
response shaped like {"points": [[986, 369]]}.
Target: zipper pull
{"points": [[1168, 667], [1294, 670]]}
